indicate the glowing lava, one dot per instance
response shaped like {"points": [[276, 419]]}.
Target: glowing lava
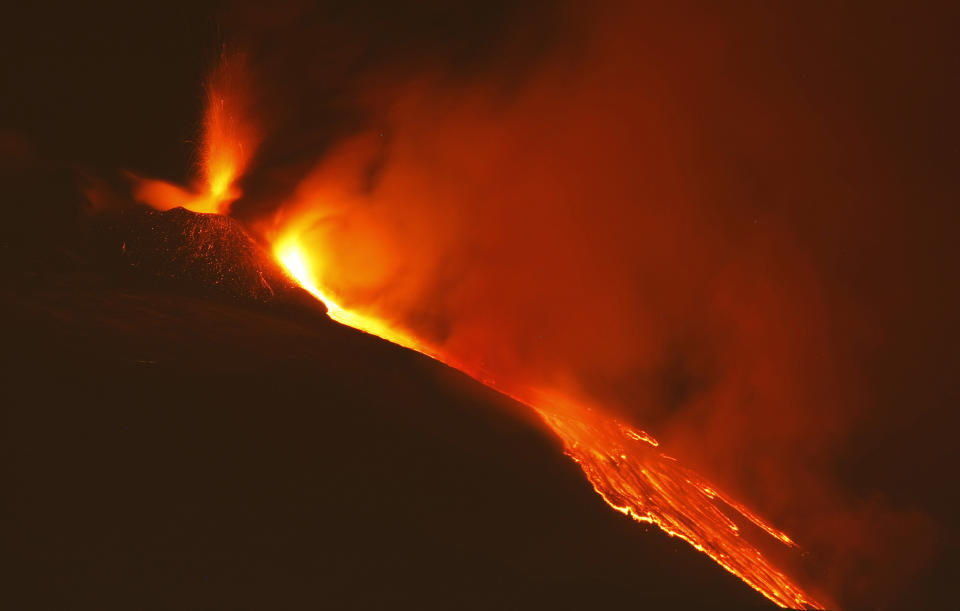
{"points": [[298, 265], [623, 464]]}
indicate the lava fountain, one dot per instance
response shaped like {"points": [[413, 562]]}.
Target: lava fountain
{"points": [[227, 144]]}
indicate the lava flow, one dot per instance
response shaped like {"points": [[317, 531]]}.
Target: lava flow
{"points": [[624, 465]]}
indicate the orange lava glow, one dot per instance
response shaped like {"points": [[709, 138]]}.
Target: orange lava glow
{"points": [[301, 267], [624, 465], [227, 146]]}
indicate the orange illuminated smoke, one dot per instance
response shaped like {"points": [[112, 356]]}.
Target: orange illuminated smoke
{"points": [[298, 264], [624, 464], [227, 146]]}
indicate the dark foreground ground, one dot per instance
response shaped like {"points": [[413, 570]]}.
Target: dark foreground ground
{"points": [[184, 429], [163, 450]]}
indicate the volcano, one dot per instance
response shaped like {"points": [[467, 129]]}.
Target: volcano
{"points": [[480, 304], [185, 427]]}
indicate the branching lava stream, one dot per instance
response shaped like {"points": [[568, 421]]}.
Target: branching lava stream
{"points": [[624, 465]]}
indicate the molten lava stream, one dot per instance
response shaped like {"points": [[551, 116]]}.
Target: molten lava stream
{"points": [[623, 464]]}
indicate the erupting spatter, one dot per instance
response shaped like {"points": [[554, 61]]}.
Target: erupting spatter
{"points": [[227, 146], [624, 465]]}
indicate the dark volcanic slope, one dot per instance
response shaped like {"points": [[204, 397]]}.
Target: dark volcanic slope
{"points": [[173, 451]]}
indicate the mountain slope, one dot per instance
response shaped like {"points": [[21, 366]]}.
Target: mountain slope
{"points": [[172, 450]]}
